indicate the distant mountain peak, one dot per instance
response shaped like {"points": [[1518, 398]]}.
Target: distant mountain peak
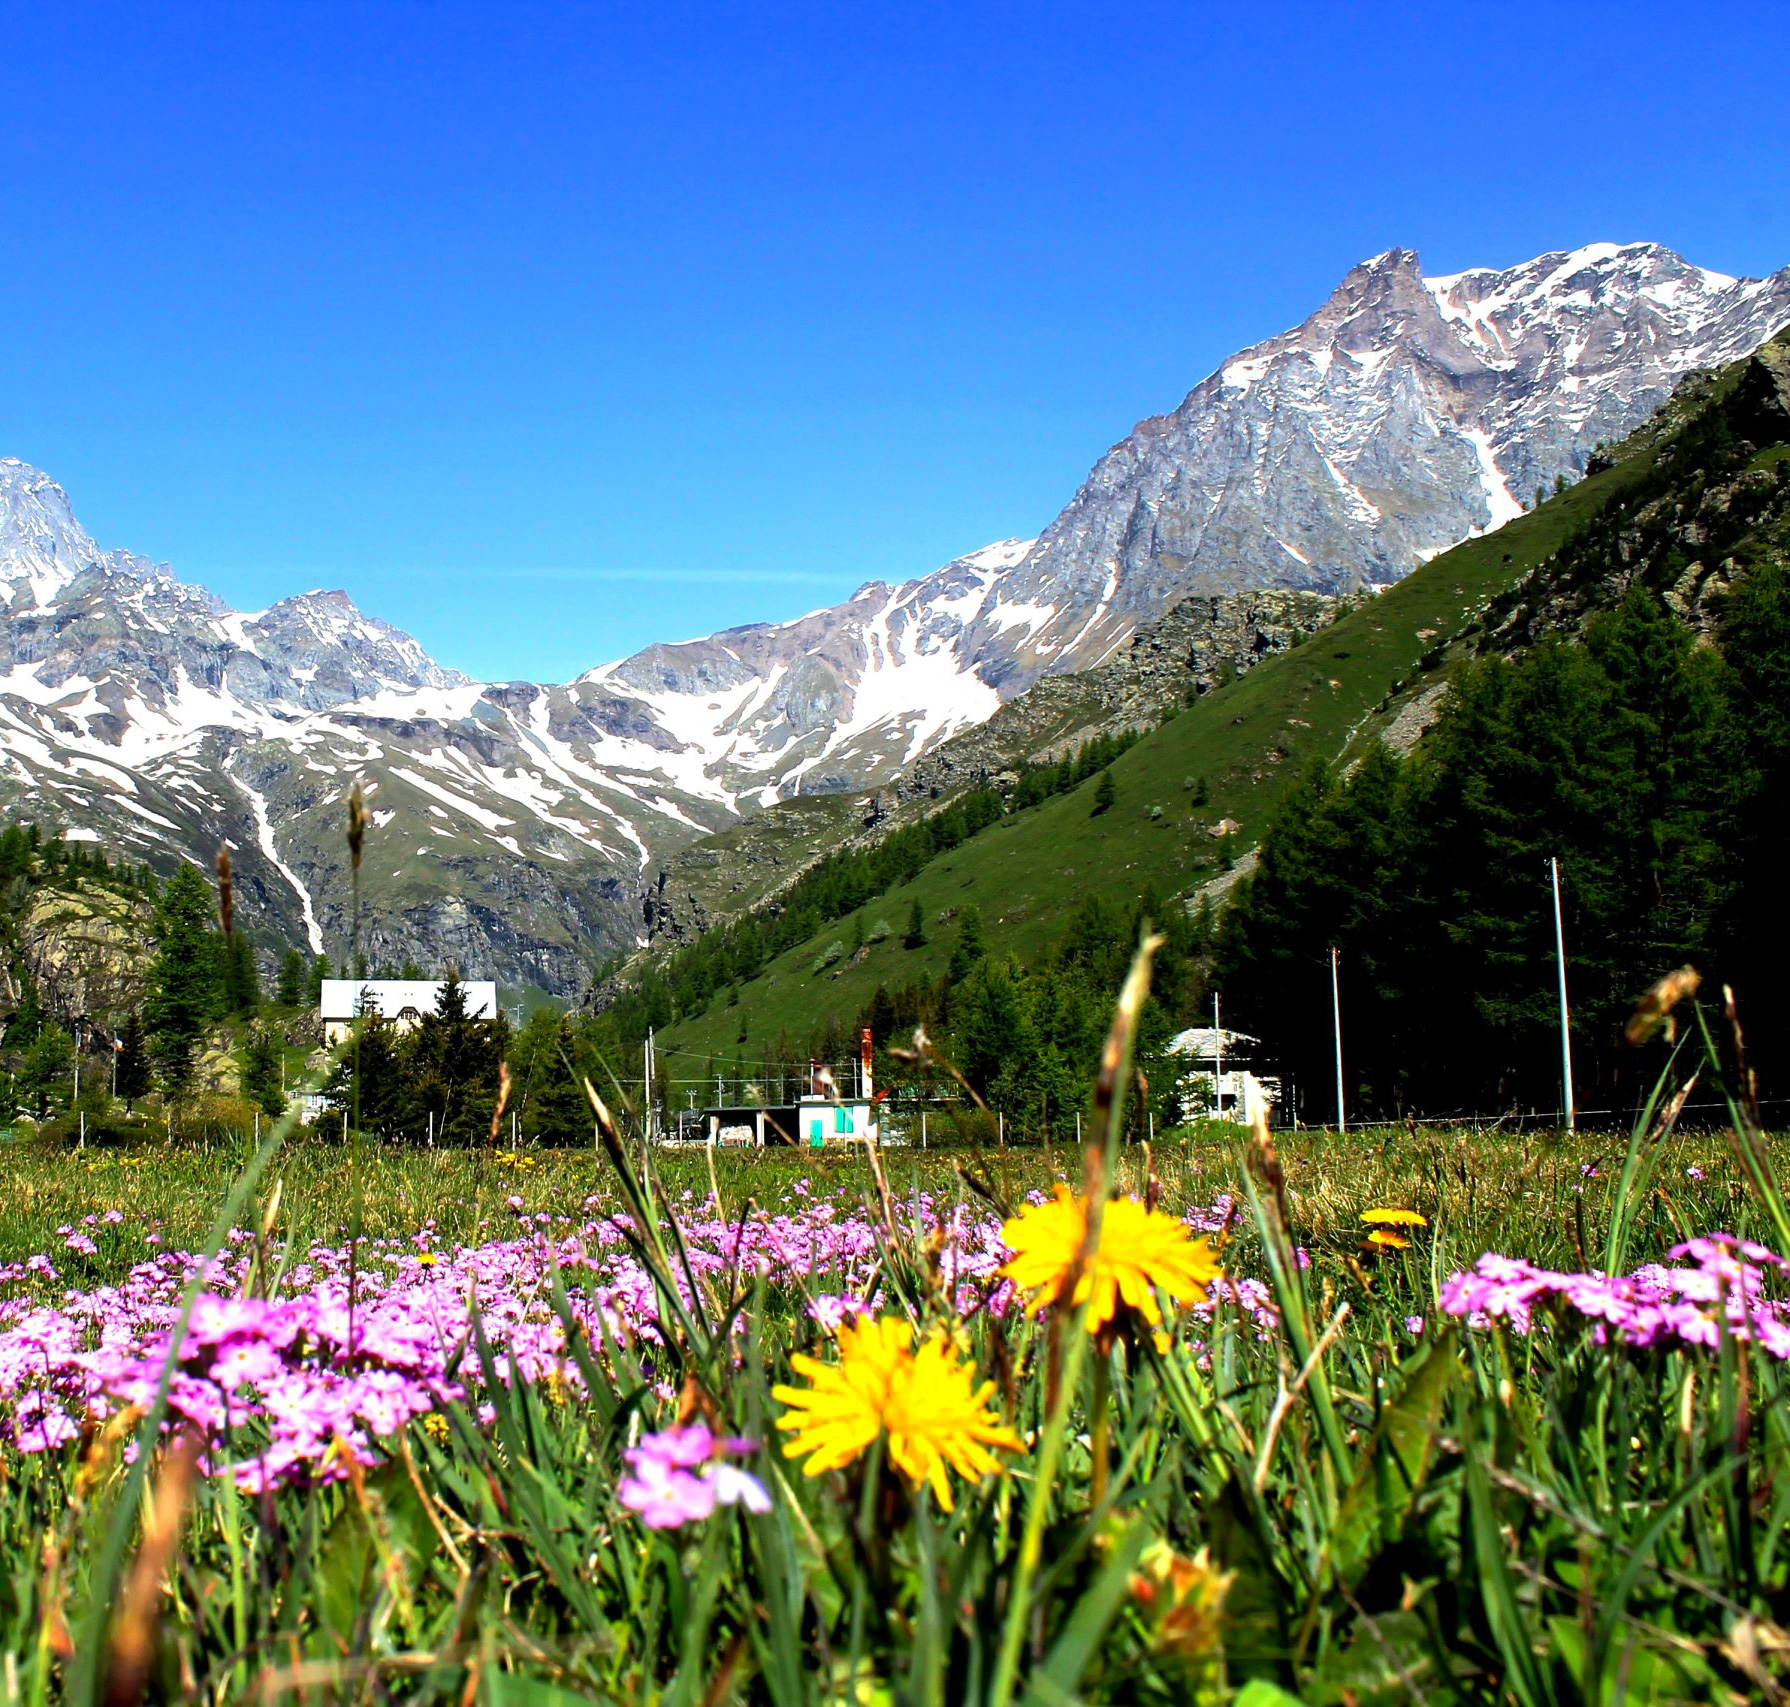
{"points": [[1406, 414], [42, 547]]}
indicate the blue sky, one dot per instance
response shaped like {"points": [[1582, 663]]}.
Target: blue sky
{"points": [[551, 331]]}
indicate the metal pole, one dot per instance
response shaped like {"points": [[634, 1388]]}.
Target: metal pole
{"points": [[646, 1125], [1217, 1059], [1565, 1030], [1342, 1119]]}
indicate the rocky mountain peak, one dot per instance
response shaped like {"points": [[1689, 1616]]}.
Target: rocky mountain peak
{"points": [[1407, 414], [42, 546]]}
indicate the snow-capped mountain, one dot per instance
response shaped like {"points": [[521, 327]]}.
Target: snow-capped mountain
{"points": [[516, 824], [512, 822], [42, 546], [838, 698], [1405, 415]]}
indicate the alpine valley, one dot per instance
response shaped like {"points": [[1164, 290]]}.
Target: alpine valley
{"points": [[518, 829]]}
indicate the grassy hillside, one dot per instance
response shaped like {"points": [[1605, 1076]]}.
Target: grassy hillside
{"points": [[741, 868], [1346, 685]]}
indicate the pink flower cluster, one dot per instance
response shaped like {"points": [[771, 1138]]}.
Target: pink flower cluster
{"points": [[1709, 1285], [284, 1387], [680, 1475], [354, 1343]]}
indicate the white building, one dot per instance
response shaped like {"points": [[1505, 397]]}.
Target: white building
{"points": [[403, 1001], [1217, 1064]]}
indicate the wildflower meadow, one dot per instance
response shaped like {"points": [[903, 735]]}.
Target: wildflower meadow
{"points": [[1257, 1418]]}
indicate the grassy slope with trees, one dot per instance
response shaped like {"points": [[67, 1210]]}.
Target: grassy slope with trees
{"points": [[1246, 741], [1028, 875]]}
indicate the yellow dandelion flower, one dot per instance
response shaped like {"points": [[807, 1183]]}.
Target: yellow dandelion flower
{"points": [[1393, 1218], [427, 1259], [1141, 1250], [1386, 1239], [927, 1401]]}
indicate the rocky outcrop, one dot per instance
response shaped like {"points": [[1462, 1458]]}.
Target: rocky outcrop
{"points": [[1200, 643], [1688, 526], [670, 918], [88, 949]]}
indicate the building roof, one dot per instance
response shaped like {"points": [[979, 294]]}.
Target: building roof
{"points": [[1202, 1039], [343, 999]]}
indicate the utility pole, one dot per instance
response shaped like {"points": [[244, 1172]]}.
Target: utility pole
{"points": [[1342, 1120], [646, 1125], [1565, 1030], [1217, 1059]]}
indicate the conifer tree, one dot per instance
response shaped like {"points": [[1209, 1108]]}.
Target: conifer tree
{"points": [[550, 1104], [968, 949], [241, 976], [132, 1073], [290, 990], [373, 1087], [47, 1071], [261, 1071], [916, 926], [452, 1062], [184, 993]]}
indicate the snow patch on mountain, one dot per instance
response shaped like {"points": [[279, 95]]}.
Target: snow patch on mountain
{"points": [[1500, 505]]}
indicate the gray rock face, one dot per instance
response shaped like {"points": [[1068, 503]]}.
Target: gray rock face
{"points": [[1197, 645], [1404, 416]]}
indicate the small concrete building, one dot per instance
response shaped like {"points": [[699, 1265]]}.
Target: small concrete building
{"points": [[403, 1001], [824, 1114], [1218, 1061]]}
